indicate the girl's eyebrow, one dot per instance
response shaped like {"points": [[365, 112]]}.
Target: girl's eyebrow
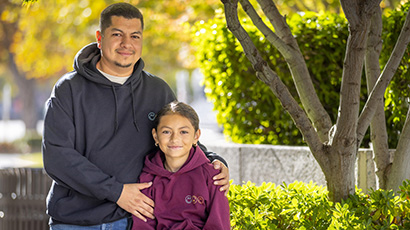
{"points": [[183, 127]]}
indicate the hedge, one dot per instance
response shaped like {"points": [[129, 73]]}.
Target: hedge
{"points": [[306, 206]]}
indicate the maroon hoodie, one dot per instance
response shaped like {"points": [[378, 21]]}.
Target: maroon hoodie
{"points": [[186, 199]]}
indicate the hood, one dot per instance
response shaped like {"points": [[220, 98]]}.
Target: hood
{"points": [[85, 63], [154, 163]]}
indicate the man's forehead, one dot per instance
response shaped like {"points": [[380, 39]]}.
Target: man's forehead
{"points": [[125, 26], [121, 18]]}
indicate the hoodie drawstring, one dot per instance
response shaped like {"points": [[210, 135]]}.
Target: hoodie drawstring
{"points": [[116, 110], [134, 113]]}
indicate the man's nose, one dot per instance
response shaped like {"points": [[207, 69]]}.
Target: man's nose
{"points": [[125, 41]]}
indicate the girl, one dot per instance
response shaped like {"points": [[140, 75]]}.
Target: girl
{"points": [[182, 186]]}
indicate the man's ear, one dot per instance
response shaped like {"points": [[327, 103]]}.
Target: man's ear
{"points": [[98, 36]]}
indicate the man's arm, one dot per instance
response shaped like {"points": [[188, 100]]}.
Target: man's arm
{"points": [[62, 162], [211, 155], [222, 178]]}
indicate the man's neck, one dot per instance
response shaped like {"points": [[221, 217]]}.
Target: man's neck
{"points": [[118, 72]]}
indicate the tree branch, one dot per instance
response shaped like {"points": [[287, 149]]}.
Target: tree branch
{"points": [[357, 14], [274, 39], [357, 10], [378, 129], [269, 77], [400, 169], [388, 72], [278, 22], [288, 47]]}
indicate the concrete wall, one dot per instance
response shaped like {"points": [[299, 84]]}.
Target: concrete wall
{"points": [[278, 164]]}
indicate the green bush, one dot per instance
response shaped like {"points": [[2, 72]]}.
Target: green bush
{"points": [[246, 107], [397, 94], [306, 206]]}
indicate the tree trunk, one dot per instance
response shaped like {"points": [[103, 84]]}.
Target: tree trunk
{"points": [[27, 93], [378, 129], [400, 169], [340, 173], [26, 86]]}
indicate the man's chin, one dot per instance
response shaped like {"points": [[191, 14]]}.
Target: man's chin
{"points": [[123, 65]]}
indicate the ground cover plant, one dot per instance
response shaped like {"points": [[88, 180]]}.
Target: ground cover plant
{"points": [[306, 206]]}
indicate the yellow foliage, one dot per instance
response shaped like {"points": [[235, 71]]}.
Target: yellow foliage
{"points": [[50, 33]]}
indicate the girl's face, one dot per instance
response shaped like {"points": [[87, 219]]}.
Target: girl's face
{"points": [[175, 136]]}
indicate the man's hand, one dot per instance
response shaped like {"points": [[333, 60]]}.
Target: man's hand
{"points": [[135, 202], [223, 177]]}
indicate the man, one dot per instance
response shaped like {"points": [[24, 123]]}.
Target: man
{"points": [[97, 129]]}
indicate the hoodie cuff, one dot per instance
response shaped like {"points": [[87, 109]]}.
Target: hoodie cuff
{"points": [[116, 191], [213, 156]]}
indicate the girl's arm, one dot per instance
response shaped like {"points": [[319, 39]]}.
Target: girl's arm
{"points": [[218, 208]]}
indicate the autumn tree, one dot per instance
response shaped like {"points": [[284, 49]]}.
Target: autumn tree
{"points": [[37, 42], [8, 31], [334, 146], [41, 38]]}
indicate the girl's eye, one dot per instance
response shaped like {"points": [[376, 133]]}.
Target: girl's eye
{"points": [[165, 132], [116, 35], [184, 132]]}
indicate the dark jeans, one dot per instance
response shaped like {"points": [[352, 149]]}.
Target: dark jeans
{"points": [[122, 224]]}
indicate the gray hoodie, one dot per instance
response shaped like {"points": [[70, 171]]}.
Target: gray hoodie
{"points": [[96, 135]]}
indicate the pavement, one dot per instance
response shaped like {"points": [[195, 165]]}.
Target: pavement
{"points": [[13, 160]]}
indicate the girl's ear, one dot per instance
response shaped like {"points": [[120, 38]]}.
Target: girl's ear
{"points": [[196, 136], [154, 135]]}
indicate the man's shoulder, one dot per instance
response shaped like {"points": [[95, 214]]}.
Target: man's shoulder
{"points": [[66, 84], [155, 83], [151, 77], [69, 78]]}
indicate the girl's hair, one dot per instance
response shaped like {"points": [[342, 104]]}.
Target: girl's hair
{"points": [[179, 108], [120, 9]]}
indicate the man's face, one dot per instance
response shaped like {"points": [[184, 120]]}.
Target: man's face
{"points": [[121, 46]]}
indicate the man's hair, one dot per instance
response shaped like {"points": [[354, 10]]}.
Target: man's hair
{"points": [[120, 9], [179, 108]]}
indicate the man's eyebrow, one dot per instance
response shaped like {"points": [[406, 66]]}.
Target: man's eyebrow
{"points": [[119, 30]]}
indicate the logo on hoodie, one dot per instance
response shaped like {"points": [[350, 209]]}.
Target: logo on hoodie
{"points": [[151, 116], [194, 199]]}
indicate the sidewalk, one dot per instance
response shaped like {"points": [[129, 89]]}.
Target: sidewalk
{"points": [[13, 160]]}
